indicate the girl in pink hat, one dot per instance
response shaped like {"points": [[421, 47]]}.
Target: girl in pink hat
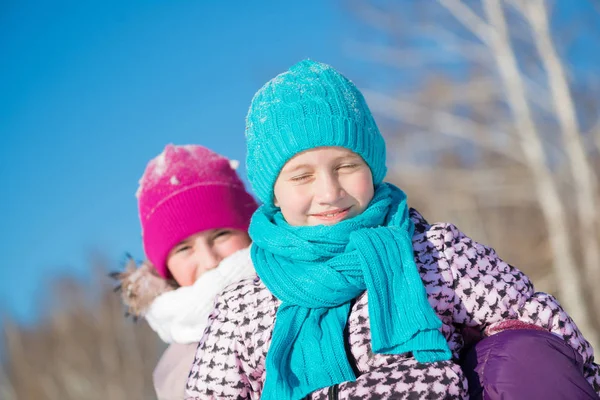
{"points": [[194, 212]]}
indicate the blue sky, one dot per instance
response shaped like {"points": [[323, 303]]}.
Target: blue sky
{"points": [[91, 90]]}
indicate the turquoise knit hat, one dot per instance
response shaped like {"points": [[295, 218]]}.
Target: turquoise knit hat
{"points": [[310, 105]]}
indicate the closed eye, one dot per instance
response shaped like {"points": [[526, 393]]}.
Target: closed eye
{"points": [[221, 233], [348, 166], [300, 178], [182, 248]]}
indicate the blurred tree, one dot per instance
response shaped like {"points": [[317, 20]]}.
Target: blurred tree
{"points": [[495, 129], [84, 349]]}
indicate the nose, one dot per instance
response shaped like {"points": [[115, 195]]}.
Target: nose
{"points": [[208, 260], [328, 189], [206, 257]]}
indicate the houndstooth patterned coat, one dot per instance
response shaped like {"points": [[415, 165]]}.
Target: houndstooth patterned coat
{"points": [[467, 285]]}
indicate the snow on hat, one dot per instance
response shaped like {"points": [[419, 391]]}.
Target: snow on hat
{"points": [[185, 190], [310, 105]]}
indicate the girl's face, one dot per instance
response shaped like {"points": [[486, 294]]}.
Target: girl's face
{"points": [[323, 186], [202, 251]]}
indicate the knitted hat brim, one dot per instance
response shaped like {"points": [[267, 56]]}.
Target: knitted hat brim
{"points": [[315, 132], [196, 209]]}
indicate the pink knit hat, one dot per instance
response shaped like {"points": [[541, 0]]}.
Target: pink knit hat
{"points": [[185, 190]]}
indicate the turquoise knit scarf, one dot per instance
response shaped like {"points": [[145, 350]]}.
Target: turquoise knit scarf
{"points": [[316, 271]]}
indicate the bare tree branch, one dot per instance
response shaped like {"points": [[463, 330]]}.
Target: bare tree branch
{"points": [[470, 20], [506, 187], [517, 5], [595, 133], [372, 15], [388, 55], [441, 121], [7, 391], [565, 268], [582, 173]]}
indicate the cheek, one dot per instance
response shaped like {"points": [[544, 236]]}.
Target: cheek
{"points": [[296, 199], [235, 243], [291, 196], [182, 271], [362, 189]]}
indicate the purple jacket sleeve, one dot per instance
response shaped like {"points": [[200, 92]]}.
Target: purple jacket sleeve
{"points": [[525, 364], [488, 291]]}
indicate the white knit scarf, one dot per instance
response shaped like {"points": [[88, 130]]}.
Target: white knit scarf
{"points": [[181, 315]]}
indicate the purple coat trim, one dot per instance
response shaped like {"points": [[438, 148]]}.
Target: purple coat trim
{"points": [[525, 364]]}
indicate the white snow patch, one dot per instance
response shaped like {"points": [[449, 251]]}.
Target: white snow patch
{"points": [[316, 68], [160, 164], [174, 180], [138, 192]]}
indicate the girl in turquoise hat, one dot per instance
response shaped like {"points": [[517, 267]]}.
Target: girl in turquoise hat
{"points": [[356, 295]]}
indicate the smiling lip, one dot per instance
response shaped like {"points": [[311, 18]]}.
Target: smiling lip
{"points": [[333, 215]]}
